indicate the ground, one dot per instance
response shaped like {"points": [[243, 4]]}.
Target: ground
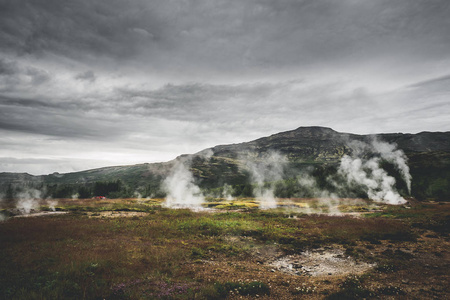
{"points": [[136, 249]]}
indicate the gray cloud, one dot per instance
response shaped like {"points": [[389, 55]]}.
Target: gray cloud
{"points": [[43, 166], [99, 27], [88, 76], [142, 80], [7, 68], [14, 76], [210, 108], [225, 36], [442, 80]]}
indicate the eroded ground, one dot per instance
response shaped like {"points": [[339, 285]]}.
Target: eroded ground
{"points": [[319, 262]]}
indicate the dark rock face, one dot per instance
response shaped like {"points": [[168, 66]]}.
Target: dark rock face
{"points": [[324, 144], [302, 144]]}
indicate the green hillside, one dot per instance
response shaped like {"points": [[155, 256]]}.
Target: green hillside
{"points": [[315, 151]]}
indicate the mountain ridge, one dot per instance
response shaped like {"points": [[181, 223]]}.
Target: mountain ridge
{"points": [[391, 137], [304, 147]]}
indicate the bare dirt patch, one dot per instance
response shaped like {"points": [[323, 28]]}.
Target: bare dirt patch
{"points": [[116, 214], [41, 214], [319, 262]]}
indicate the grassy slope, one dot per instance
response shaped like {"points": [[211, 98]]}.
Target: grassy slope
{"points": [[305, 148]]}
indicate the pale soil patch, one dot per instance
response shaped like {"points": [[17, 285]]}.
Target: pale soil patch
{"points": [[325, 261], [41, 214], [116, 214], [319, 262]]}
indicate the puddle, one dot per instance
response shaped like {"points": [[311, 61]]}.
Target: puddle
{"points": [[319, 262]]}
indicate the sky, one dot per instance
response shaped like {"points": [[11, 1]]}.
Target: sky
{"points": [[94, 83]]}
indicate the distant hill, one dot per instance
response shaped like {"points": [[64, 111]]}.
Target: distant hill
{"points": [[317, 149]]}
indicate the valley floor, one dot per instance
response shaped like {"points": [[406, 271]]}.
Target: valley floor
{"points": [[133, 249]]}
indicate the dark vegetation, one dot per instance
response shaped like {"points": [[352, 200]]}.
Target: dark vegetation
{"points": [[427, 184]]}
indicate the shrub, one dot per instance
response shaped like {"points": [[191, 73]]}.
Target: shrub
{"points": [[197, 253], [351, 288], [386, 268]]}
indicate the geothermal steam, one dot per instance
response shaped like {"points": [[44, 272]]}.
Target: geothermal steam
{"points": [[28, 201], [227, 192], [369, 174], [379, 185], [396, 157], [264, 172], [362, 169], [182, 192]]}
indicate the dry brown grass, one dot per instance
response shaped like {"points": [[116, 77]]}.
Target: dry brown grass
{"points": [[194, 255]]}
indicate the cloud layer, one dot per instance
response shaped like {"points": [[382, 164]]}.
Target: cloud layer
{"points": [[139, 81]]}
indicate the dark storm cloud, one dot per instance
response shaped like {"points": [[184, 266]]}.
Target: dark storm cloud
{"points": [[442, 80], [129, 78], [219, 35], [68, 27], [70, 119], [88, 76], [189, 100], [15, 77], [206, 109], [8, 68], [71, 106]]}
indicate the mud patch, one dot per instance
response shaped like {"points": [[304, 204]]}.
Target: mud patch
{"points": [[319, 262]]}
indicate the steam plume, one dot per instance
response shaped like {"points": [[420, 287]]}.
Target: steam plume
{"points": [[395, 156], [181, 190], [52, 204], [227, 191], [379, 185], [264, 172], [28, 200]]}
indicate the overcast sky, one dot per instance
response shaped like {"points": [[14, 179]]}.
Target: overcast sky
{"points": [[93, 83]]}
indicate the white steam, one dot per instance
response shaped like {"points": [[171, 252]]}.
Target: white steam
{"points": [[31, 199], [310, 186], [52, 204], [138, 197], [396, 157], [181, 190], [227, 192], [28, 201], [264, 172], [368, 173]]}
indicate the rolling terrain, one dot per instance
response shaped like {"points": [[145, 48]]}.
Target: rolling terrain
{"points": [[307, 246], [315, 150]]}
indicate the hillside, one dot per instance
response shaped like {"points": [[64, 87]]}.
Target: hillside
{"points": [[315, 149]]}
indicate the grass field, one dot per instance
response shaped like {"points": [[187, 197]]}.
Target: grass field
{"points": [[137, 249]]}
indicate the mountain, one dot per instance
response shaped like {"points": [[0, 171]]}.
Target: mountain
{"points": [[317, 150]]}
